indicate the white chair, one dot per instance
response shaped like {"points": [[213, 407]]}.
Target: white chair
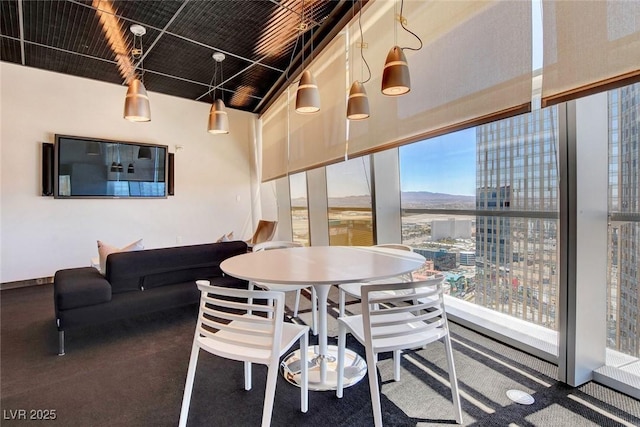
{"points": [[225, 329], [353, 289], [389, 324], [271, 245]]}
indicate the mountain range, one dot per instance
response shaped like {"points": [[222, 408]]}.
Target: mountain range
{"points": [[410, 200]]}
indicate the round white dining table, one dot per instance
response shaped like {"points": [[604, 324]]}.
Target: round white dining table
{"points": [[321, 267]]}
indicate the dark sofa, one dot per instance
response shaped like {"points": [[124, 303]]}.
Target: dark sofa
{"points": [[139, 282]]}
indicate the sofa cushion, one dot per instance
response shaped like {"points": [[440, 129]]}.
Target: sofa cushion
{"points": [[151, 268], [80, 287]]}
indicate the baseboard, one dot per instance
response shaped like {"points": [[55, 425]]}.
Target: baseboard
{"points": [[26, 283]]}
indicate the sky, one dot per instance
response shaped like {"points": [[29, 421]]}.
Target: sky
{"points": [[445, 164]]}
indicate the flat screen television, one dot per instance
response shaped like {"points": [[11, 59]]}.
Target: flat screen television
{"points": [[100, 168]]}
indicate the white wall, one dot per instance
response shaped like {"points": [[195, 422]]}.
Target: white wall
{"points": [[39, 235]]}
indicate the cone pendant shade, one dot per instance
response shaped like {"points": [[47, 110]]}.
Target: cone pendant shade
{"points": [[136, 103], [358, 103], [307, 96], [218, 120], [395, 76]]}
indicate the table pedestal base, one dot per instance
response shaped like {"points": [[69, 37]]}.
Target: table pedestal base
{"points": [[355, 368]]}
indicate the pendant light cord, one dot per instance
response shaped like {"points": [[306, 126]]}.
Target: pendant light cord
{"points": [[362, 43], [408, 30], [295, 46], [213, 81]]}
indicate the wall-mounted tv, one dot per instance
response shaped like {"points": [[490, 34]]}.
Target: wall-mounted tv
{"points": [[99, 168]]}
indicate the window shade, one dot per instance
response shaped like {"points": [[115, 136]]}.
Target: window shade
{"points": [[475, 66], [318, 138], [275, 130], [589, 46]]}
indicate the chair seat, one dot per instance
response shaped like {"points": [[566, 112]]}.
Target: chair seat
{"points": [[382, 345], [290, 333], [355, 290]]}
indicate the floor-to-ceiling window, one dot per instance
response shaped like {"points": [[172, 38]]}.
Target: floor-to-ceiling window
{"points": [[623, 290], [299, 208], [482, 205], [349, 203]]}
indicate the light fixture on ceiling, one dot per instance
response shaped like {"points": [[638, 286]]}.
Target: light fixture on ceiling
{"points": [[144, 153], [93, 148], [307, 95], [136, 104], [116, 166], [358, 103], [395, 76], [131, 168], [218, 119]]}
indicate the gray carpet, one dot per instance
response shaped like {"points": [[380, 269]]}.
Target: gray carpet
{"points": [[132, 373]]}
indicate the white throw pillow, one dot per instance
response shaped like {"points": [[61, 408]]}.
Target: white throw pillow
{"points": [[225, 237], [105, 249]]}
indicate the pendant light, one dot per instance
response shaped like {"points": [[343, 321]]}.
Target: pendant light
{"points": [[307, 95], [117, 166], [358, 103], [93, 148], [218, 119], [144, 153], [136, 104], [131, 168], [396, 79]]}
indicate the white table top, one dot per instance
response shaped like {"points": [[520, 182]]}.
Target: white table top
{"points": [[322, 264]]}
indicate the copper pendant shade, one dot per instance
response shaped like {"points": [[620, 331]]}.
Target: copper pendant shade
{"points": [[307, 96], [358, 103], [395, 76], [218, 120], [136, 103]]}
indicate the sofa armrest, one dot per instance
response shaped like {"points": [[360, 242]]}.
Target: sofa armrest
{"points": [[80, 287]]}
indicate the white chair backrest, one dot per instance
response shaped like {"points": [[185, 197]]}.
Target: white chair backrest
{"points": [[395, 246], [262, 330], [383, 311], [275, 244]]}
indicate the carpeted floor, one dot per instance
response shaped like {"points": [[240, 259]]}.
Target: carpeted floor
{"points": [[132, 373]]}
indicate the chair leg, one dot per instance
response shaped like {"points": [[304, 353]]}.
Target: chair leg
{"points": [[314, 312], [269, 395], [372, 372], [297, 304], [397, 355], [188, 387], [342, 341], [270, 314], [455, 393], [60, 343], [250, 300], [304, 378], [247, 376], [341, 301]]}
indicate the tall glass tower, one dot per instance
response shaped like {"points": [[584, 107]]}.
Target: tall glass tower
{"points": [[624, 230], [517, 192]]}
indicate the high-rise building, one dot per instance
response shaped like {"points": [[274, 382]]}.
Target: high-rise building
{"points": [[517, 188], [624, 231]]}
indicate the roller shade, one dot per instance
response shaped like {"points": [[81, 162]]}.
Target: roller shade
{"points": [[275, 130], [589, 47], [318, 138], [474, 67]]}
